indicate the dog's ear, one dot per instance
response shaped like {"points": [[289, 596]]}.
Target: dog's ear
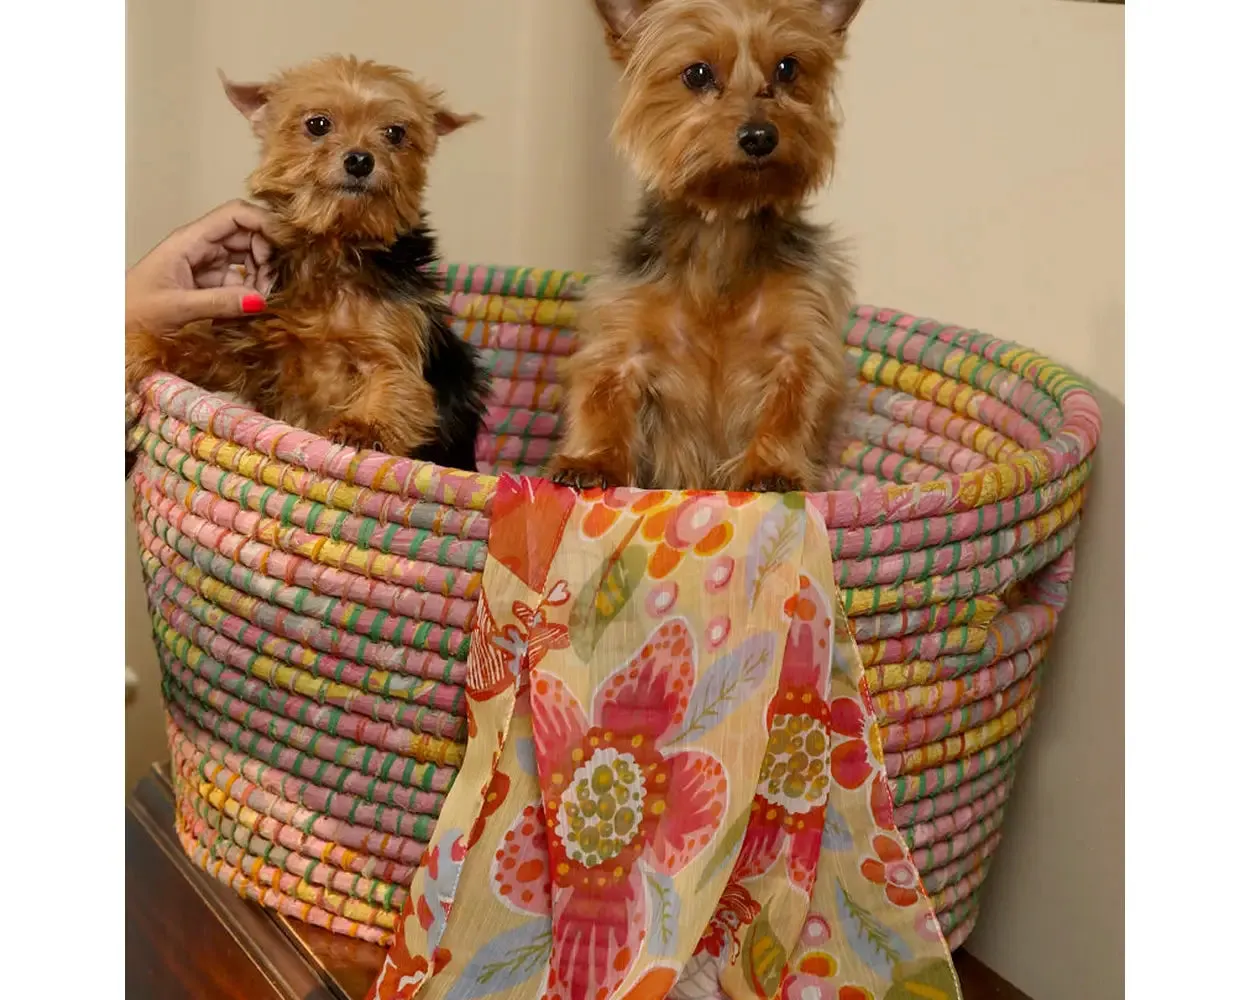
{"points": [[249, 98], [840, 13], [447, 121], [619, 18]]}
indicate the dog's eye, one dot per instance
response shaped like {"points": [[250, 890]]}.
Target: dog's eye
{"points": [[698, 77], [318, 125], [394, 134], [787, 70]]}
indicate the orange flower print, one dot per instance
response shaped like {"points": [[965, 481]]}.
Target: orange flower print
{"points": [[812, 978], [620, 806], [394, 981], [893, 869], [674, 523], [881, 803], [850, 762], [525, 544], [654, 984], [402, 973], [493, 796]]}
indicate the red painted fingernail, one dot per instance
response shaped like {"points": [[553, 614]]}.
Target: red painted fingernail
{"points": [[253, 303]]}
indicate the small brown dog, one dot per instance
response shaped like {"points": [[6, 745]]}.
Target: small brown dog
{"points": [[356, 342], [711, 354]]}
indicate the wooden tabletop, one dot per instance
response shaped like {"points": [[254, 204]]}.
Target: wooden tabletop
{"points": [[189, 937]]}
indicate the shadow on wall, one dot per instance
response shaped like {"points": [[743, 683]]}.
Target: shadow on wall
{"points": [[1056, 887]]}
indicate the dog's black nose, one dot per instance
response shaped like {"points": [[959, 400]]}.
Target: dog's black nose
{"points": [[758, 140], [358, 163]]}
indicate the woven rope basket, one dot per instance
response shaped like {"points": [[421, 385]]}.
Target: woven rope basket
{"points": [[310, 604]]}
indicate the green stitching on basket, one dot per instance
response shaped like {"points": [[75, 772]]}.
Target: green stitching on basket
{"points": [[929, 342], [264, 497], [418, 539], [396, 636], [388, 537], [878, 472], [353, 616], [375, 630], [288, 507]]}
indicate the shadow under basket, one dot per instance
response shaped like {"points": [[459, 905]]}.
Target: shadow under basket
{"points": [[311, 604]]}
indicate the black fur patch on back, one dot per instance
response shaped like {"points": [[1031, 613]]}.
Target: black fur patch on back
{"points": [[461, 386], [401, 268]]}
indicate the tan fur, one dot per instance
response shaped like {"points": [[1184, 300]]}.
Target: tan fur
{"points": [[710, 356], [331, 354]]}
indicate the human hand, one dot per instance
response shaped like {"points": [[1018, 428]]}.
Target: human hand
{"points": [[213, 268]]}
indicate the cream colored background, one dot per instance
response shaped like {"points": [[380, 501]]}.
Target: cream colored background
{"points": [[982, 180]]}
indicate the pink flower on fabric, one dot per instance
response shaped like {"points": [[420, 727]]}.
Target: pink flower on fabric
{"points": [[698, 520], [662, 597], [788, 812], [927, 926], [718, 631], [519, 875], [617, 800], [718, 574], [804, 987], [816, 930]]}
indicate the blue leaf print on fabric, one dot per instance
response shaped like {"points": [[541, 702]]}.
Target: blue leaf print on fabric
{"points": [[442, 889], [725, 684], [836, 835], [526, 759], [505, 961], [665, 908], [879, 947], [778, 536]]}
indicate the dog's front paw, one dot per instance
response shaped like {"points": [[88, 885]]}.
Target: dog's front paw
{"points": [[757, 476], [773, 484], [580, 474], [358, 434]]}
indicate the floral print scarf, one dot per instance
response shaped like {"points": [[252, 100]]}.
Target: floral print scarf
{"points": [[673, 784]]}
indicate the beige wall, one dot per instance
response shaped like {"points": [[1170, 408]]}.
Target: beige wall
{"points": [[982, 182]]}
